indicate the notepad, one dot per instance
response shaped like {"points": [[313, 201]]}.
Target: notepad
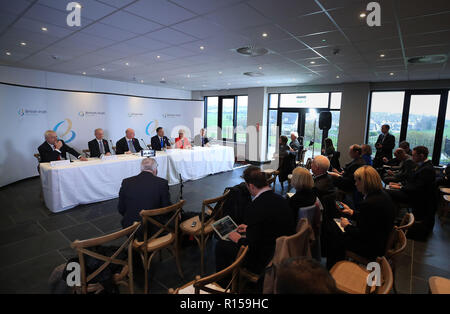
{"points": [[338, 222]]}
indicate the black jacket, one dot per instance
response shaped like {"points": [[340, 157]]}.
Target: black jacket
{"points": [[94, 147], [302, 198], [144, 191], [122, 146], [405, 171], [267, 218], [388, 146], [326, 192], [48, 154], [374, 223], [156, 143], [347, 182]]}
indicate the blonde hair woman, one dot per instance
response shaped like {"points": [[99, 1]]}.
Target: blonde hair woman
{"points": [[181, 141], [374, 218], [304, 196]]}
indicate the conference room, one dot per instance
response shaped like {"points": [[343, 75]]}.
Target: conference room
{"points": [[234, 147]]}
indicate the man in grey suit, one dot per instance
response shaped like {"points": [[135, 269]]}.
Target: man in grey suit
{"points": [[201, 139], [295, 145]]}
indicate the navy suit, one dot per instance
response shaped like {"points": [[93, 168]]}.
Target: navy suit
{"points": [[156, 142], [48, 154], [122, 146], [94, 147]]}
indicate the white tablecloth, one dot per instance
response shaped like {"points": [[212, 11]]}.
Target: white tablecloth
{"points": [[84, 182]]}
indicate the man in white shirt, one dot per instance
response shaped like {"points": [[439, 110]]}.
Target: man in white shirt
{"points": [[99, 146], [128, 144]]}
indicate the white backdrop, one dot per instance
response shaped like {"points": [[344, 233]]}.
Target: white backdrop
{"points": [[26, 113]]}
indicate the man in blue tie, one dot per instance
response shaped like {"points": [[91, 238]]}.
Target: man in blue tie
{"points": [[128, 144], [159, 141], [201, 139]]}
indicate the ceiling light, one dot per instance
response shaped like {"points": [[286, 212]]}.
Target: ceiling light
{"points": [[84, 73], [324, 40], [264, 35], [392, 73], [44, 29], [78, 6], [260, 68], [8, 53], [103, 69], [202, 48], [382, 55], [127, 64], [203, 85], [188, 76], [313, 62], [337, 76], [163, 79], [158, 57], [142, 81], [23, 43], [228, 83], [363, 15], [220, 72]]}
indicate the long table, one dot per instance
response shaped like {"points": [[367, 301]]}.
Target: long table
{"points": [[95, 180]]}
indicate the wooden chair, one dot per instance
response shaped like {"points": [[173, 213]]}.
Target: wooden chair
{"points": [[203, 225], [271, 176], [352, 278], [271, 182], [301, 158], [87, 153], [406, 223], [208, 284], [439, 285], [396, 245], [82, 247], [157, 242]]}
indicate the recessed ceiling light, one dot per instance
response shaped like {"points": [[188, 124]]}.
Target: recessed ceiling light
{"points": [[127, 64], [337, 76], [363, 15], [382, 55], [142, 81], [228, 83], [103, 69], [264, 35], [202, 47], [8, 53], [84, 73], [158, 57], [44, 29], [260, 68], [188, 76], [313, 62], [324, 40], [220, 72], [392, 73], [23, 43], [163, 79]]}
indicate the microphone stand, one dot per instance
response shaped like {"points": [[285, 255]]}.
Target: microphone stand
{"points": [[145, 145], [112, 149], [181, 187]]}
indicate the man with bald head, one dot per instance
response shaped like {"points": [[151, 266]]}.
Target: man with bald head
{"points": [[323, 183], [128, 144], [98, 146], [144, 191]]}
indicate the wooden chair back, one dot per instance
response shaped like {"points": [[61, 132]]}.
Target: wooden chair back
{"points": [[396, 243], [215, 212], [233, 270], [82, 248], [387, 277], [271, 181], [407, 222], [148, 219]]}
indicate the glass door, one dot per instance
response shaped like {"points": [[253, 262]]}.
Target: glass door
{"points": [[227, 118], [289, 123], [312, 139]]}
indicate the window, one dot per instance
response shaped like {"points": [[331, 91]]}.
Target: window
{"points": [[385, 108], [272, 133], [336, 99], [212, 110], [227, 118], [273, 101], [445, 147], [333, 132], [241, 119], [310, 100]]}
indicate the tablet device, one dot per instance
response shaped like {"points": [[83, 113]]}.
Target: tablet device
{"points": [[223, 227]]}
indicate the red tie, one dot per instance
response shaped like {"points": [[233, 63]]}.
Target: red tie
{"points": [[59, 157]]}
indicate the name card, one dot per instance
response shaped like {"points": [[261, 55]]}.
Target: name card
{"points": [[110, 157], [59, 163], [148, 153]]}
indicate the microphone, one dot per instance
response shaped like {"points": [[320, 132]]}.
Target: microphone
{"points": [[182, 144], [112, 147], [145, 145]]}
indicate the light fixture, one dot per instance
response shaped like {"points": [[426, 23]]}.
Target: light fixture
{"points": [[44, 29], [84, 73], [8, 53], [337, 76], [202, 47], [382, 55], [264, 35], [391, 74], [127, 64], [23, 43], [158, 57], [78, 6], [142, 81], [324, 40], [188, 76], [163, 79], [260, 68], [363, 15], [220, 72], [103, 69], [228, 83], [313, 62]]}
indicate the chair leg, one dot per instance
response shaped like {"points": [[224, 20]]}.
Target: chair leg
{"points": [[176, 253], [146, 265]]}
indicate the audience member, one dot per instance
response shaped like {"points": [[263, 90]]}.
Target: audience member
{"points": [[374, 220], [384, 145], [401, 172], [367, 154], [405, 146], [303, 275], [304, 196], [328, 150], [286, 159], [344, 180]]}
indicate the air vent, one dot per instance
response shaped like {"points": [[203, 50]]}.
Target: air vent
{"points": [[430, 59], [162, 82], [252, 51], [254, 74]]}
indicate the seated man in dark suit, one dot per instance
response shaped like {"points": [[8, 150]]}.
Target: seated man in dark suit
{"points": [[401, 172], [98, 146], [201, 139], [419, 190], [159, 141], [267, 218], [344, 180], [53, 149], [144, 191], [128, 144]]}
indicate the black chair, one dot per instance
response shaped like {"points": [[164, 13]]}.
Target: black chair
{"points": [[334, 161]]}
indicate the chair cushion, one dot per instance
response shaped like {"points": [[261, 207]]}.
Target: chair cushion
{"points": [[155, 244], [350, 277], [186, 226], [439, 285]]}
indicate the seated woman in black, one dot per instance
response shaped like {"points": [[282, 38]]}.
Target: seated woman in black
{"points": [[304, 196], [374, 218]]}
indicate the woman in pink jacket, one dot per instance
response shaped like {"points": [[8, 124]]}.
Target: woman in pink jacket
{"points": [[181, 141]]}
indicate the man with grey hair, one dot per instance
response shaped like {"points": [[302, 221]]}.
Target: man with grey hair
{"points": [[98, 146], [144, 191], [55, 149], [201, 139], [323, 182], [128, 144]]}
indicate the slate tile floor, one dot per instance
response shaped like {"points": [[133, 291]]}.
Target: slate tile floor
{"points": [[33, 241]]}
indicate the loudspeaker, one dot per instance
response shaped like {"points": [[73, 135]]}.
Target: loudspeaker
{"points": [[325, 120]]}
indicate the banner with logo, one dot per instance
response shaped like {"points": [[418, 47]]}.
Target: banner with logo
{"points": [[26, 113]]}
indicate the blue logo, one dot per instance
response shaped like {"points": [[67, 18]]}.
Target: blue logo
{"points": [[68, 130], [149, 130], [21, 112], [81, 113]]}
